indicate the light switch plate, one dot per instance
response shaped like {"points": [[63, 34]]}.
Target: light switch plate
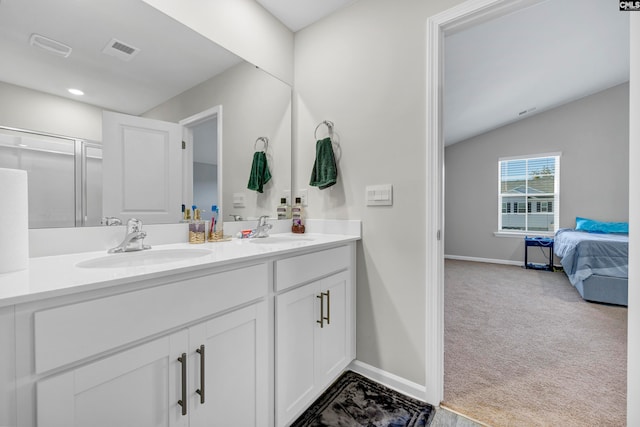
{"points": [[238, 200], [379, 195]]}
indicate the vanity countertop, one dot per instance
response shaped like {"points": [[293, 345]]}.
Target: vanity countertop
{"points": [[59, 275]]}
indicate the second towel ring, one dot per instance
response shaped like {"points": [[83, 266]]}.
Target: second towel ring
{"points": [[328, 124], [264, 140]]}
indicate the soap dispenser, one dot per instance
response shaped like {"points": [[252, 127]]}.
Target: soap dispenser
{"points": [[196, 228], [284, 210]]}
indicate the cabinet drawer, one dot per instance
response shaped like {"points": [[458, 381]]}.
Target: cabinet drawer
{"points": [[67, 334], [305, 268]]}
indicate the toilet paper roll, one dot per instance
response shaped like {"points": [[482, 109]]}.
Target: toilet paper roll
{"points": [[14, 220]]}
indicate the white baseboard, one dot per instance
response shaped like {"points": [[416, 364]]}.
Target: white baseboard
{"points": [[390, 380], [489, 260]]}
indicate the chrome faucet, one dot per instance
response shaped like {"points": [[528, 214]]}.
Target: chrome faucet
{"points": [[262, 229], [110, 220], [133, 240]]}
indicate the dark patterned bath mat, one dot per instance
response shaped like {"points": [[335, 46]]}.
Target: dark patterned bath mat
{"points": [[353, 400]]}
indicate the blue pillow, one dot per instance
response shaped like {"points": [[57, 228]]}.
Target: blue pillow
{"points": [[593, 226]]}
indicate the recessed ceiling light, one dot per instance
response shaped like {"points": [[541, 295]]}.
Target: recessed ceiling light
{"points": [[76, 91]]}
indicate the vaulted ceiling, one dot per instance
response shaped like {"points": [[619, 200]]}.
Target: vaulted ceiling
{"points": [[530, 61]]}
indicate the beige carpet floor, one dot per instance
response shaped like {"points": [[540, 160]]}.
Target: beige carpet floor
{"points": [[522, 348]]}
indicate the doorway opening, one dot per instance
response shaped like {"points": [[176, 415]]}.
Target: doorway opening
{"points": [[458, 18]]}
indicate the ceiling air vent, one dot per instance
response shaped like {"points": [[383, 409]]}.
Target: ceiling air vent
{"points": [[120, 50], [50, 45]]}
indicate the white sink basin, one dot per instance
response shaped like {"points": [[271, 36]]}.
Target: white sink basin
{"points": [[271, 240], [142, 258]]}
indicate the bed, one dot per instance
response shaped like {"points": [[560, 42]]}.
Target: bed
{"points": [[596, 263]]}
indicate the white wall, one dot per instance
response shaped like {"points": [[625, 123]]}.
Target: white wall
{"points": [[254, 104], [364, 69], [592, 134], [240, 26], [29, 109]]}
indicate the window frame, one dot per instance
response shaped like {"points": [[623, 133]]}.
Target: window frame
{"points": [[528, 203]]}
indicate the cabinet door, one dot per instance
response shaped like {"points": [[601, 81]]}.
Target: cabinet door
{"points": [[334, 338], [296, 314], [7, 367], [137, 387], [236, 367]]}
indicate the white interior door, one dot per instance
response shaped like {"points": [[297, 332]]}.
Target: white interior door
{"points": [[142, 168]]}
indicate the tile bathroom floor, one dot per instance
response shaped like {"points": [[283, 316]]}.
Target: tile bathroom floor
{"points": [[446, 418]]}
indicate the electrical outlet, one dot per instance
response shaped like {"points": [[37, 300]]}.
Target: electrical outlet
{"points": [[304, 194]]}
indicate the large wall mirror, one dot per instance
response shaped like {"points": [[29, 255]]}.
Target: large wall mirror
{"points": [[132, 60]]}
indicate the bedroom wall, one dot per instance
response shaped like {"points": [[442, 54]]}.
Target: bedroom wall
{"points": [[592, 134]]}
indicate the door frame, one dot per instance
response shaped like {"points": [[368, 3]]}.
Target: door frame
{"points": [[465, 15], [187, 154]]}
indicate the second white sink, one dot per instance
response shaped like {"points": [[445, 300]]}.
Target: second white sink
{"points": [[142, 258]]}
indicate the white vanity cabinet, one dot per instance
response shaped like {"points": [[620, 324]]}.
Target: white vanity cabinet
{"points": [[191, 352], [314, 327], [213, 373], [7, 366], [236, 366], [137, 387], [245, 342]]}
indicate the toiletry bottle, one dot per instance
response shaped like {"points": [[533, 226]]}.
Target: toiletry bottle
{"points": [[196, 228], [186, 214], [284, 210], [298, 217], [214, 226]]}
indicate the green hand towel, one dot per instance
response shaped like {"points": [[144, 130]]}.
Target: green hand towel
{"points": [[325, 171], [260, 174]]}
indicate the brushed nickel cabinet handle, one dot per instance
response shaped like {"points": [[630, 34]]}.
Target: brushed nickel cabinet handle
{"points": [[321, 321], [200, 391], [183, 402]]}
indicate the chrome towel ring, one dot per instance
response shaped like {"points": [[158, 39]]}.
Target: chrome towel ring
{"points": [[265, 142], [328, 124]]}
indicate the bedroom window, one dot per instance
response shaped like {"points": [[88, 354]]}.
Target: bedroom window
{"points": [[532, 185]]}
